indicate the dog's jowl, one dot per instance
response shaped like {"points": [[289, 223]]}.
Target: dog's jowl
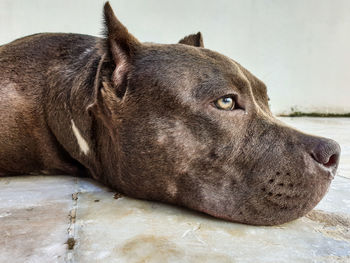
{"points": [[176, 123]]}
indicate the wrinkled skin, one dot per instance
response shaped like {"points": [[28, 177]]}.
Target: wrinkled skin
{"points": [[149, 116]]}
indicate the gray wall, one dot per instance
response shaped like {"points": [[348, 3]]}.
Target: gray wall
{"points": [[299, 48]]}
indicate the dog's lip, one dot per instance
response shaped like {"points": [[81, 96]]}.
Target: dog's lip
{"points": [[331, 174], [327, 172]]}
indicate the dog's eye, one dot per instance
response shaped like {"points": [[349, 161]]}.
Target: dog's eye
{"points": [[225, 103]]}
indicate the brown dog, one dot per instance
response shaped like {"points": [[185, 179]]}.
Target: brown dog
{"points": [[175, 123]]}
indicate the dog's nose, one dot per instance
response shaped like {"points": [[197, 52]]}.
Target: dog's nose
{"points": [[327, 153]]}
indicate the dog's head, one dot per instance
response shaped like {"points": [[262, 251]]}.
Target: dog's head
{"points": [[193, 127]]}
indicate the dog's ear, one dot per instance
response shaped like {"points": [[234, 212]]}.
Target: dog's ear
{"points": [[121, 47], [193, 40], [114, 65]]}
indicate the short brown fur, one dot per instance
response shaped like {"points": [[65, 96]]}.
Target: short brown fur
{"points": [[142, 119]]}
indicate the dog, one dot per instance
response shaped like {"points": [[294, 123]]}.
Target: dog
{"points": [[175, 123]]}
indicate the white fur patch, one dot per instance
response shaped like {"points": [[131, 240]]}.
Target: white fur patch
{"points": [[86, 52], [172, 189], [84, 147], [179, 141]]}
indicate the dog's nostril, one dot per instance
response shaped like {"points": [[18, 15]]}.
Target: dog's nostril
{"points": [[332, 161], [326, 161], [327, 153]]}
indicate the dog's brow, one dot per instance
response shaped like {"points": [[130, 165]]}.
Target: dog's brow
{"points": [[212, 90]]}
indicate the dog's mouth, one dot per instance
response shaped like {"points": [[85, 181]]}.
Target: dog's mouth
{"points": [[288, 187], [278, 197], [284, 199]]}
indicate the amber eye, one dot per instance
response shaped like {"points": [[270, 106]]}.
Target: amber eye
{"points": [[225, 103]]}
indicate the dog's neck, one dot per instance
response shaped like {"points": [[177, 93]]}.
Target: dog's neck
{"points": [[80, 132]]}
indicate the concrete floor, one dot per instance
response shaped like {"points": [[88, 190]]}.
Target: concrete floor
{"points": [[66, 219]]}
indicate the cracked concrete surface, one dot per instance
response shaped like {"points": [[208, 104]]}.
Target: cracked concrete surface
{"points": [[66, 219]]}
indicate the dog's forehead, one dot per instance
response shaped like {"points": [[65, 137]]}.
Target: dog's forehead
{"points": [[195, 71], [184, 56], [178, 60]]}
